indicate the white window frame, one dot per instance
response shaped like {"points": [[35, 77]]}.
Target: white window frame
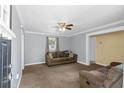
{"points": [[55, 46]]}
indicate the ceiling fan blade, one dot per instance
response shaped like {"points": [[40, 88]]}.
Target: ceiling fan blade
{"points": [[69, 25], [69, 28]]}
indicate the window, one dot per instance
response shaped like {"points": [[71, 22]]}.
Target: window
{"points": [[52, 42]]}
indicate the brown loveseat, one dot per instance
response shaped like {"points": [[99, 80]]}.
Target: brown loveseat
{"points": [[61, 57], [101, 78]]}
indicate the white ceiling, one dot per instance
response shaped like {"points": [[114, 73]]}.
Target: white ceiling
{"points": [[44, 18]]}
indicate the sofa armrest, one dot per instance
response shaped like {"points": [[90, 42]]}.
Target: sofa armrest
{"points": [[47, 58], [112, 77], [75, 56]]}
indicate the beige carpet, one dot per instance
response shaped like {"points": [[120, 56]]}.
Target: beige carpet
{"points": [[60, 76]]}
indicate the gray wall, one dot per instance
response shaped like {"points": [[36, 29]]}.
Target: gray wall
{"points": [[78, 46], [92, 51], [35, 46], [64, 43], [16, 48]]}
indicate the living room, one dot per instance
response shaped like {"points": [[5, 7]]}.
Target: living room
{"points": [[58, 50]]}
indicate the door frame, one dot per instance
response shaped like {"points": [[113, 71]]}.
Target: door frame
{"points": [[100, 32], [22, 48]]}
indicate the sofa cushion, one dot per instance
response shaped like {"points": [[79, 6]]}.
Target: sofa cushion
{"points": [[103, 70], [54, 54], [62, 59], [57, 60], [98, 74], [60, 54]]}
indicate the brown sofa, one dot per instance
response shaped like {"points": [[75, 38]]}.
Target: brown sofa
{"points": [[61, 57], [101, 78]]}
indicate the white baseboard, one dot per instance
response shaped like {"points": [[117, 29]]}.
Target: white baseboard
{"points": [[34, 63], [84, 63], [19, 80], [101, 64]]}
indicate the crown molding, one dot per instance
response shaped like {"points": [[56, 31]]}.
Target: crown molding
{"points": [[100, 27], [105, 31], [107, 26], [45, 34]]}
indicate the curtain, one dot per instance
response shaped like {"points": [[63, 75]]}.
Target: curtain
{"points": [[47, 45], [57, 44]]}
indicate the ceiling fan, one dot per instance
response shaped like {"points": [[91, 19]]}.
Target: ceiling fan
{"points": [[64, 26]]}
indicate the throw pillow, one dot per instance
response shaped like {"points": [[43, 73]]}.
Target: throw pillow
{"points": [[66, 54], [50, 55], [54, 54], [71, 54]]}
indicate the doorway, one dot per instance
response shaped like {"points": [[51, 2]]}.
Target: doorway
{"points": [[93, 34], [92, 52]]}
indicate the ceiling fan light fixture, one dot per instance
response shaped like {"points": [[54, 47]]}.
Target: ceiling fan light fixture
{"points": [[62, 29]]}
